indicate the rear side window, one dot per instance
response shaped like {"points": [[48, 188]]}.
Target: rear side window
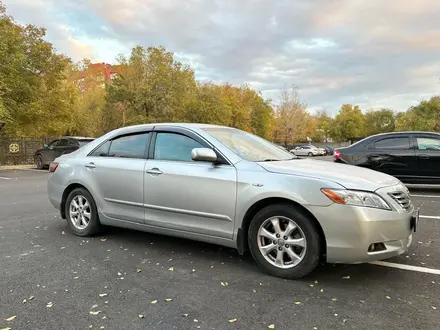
{"points": [[63, 143], [102, 150], [82, 143], [130, 146], [396, 143]]}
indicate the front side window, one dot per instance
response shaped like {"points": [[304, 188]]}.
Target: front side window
{"points": [[397, 143], [174, 147], [53, 144], [428, 144], [248, 146], [130, 146]]}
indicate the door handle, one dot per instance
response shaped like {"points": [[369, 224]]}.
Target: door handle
{"points": [[424, 157], [154, 170], [90, 165]]}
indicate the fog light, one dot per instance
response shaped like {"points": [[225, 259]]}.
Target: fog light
{"points": [[376, 247]]}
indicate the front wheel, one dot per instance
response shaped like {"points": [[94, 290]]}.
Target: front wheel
{"points": [[39, 162], [284, 241], [310, 154], [81, 213]]}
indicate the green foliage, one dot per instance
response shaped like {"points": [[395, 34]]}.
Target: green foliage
{"points": [[349, 123], [379, 121], [423, 117]]}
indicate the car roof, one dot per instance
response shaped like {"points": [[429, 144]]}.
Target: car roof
{"points": [[405, 133], [185, 125], [77, 137]]}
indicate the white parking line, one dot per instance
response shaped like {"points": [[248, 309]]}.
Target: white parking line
{"points": [[407, 267], [3, 178], [429, 217], [426, 196]]}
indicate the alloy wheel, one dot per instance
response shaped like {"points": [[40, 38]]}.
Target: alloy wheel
{"points": [[281, 242], [80, 212]]}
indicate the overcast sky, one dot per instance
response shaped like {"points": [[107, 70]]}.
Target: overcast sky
{"points": [[375, 53]]}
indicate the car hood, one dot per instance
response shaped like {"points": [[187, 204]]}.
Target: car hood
{"points": [[351, 177]]}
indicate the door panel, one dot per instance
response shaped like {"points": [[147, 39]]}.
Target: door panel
{"points": [[394, 156], [115, 172], [187, 195], [194, 197], [428, 158], [49, 152]]}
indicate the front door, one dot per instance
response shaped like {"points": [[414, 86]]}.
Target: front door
{"points": [[428, 158], [115, 172], [186, 195], [393, 155]]}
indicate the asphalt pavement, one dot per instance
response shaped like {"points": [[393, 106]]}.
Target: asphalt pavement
{"points": [[122, 279]]}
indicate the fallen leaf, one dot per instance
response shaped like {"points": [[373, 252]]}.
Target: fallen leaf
{"points": [[232, 320], [271, 326], [24, 301], [31, 297], [316, 282], [104, 317], [336, 314], [334, 299], [193, 270], [185, 315], [63, 233], [346, 277], [388, 297], [94, 306], [311, 285], [138, 270], [434, 307], [103, 239], [49, 305], [103, 294], [90, 326], [297, 302], [94, 312], [344, 320], [11, 318], [322, 290], [171, 269], [6, 329], [141, 316], [154, 302], [169, 299], [195, 320]]}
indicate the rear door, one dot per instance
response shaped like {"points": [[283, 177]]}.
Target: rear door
{"points": [[50, 152], [428, 158], [115, 172], [394, 155], [61, 148]]}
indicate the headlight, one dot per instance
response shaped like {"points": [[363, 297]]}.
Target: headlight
{"points": [[358, 198]]}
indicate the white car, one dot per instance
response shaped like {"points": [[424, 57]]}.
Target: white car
{"points": [[306, 151]]}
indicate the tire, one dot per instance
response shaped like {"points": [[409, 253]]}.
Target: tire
{"points": [[310, 154], [83, 227], [309, 255], [39, 163]]}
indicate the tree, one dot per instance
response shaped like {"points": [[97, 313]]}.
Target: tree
{"points": [[349, 123], [379, 121], [291, 118], [423, 117], [324, 126]]}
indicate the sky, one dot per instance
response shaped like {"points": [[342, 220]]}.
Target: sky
{"points": [[375, 53]]}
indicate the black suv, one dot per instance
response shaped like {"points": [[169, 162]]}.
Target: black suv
{"points": [[412, 157], [44, 156]]}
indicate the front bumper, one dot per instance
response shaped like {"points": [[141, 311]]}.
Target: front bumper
{"points": [[350, 232]]}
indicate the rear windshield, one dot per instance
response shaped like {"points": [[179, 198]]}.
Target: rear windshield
{"points": [[82, 143]]}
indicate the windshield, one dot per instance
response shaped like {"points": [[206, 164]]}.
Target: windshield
{"points": [[249, 146]]}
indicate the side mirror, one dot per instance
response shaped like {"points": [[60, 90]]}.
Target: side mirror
{"points": [[203, 155], [45, 145]]}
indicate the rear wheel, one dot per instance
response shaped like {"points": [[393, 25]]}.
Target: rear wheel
{"points": [[39, 162], [81, 213], [310, 154], [284, 241]]}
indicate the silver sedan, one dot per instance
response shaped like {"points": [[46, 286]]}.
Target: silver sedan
{"points": [[225, 186]]}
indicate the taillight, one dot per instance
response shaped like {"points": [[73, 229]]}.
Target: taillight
{"points": [[53, 166], [336, 155]]}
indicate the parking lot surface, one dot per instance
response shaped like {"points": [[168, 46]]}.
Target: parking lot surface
{"points": [[51, 279]]}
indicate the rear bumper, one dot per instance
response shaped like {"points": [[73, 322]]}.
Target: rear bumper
{"points": [[350, 231], [54, 192]]}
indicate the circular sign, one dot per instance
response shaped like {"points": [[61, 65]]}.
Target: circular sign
{"points": [[14, 148]]}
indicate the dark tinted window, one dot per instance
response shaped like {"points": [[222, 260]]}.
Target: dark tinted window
{"points": [[54, 143], [63, 143], [174, 147], [131, 146], [102, 150], [424, 143], [73, 142], [397, 143]]}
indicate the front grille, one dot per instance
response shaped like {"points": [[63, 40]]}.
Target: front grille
{"points": [[402, 199]]}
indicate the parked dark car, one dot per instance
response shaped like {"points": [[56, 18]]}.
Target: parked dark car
{"points": [[412, 157], [44, 156]]}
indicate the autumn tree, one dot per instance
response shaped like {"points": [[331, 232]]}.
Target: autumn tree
{"points": [[324, 126], [291, 118], [423, 117], [349, 123]]}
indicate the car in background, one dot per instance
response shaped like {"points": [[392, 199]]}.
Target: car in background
{"points": [[322, 151], [229, 187], [306, 150], [412, 157], [64, 145]]}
